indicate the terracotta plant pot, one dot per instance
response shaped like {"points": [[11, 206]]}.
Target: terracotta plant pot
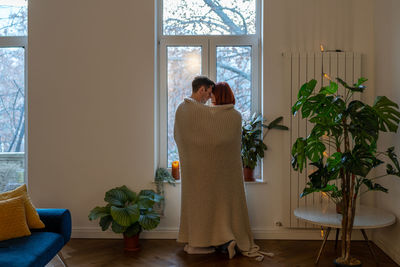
{"points": [[248, 174], [131, 243]]}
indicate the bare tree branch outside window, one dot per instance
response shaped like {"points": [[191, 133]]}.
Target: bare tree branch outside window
{"points": [[13, 22], [209, 17]]}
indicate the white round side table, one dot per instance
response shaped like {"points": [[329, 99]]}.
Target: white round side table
{"points": [[326, 216]]}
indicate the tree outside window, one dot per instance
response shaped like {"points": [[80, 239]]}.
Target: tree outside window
{"points": [[13, 31], [216, 38]]}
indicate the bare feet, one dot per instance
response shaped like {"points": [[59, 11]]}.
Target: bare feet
{"points": [[198, 250]]}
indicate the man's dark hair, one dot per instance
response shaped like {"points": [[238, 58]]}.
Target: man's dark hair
{"points": [[199, 81]]}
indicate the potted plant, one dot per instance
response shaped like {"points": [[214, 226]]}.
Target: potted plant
{"points": [[128, 213], [162, 176], [253, 146], [351, 128]]}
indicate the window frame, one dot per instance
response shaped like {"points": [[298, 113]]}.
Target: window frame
{"points": [[21, 42], [209, 44]]}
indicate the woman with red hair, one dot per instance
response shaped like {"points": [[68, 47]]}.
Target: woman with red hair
{"points": [[222, 94]]}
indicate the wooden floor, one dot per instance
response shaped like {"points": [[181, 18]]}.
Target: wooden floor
{"points": [[109, 252]]}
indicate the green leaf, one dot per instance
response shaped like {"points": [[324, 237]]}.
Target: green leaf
{"points": [[364, 124], [360, 81], [356, 88], [308, 190], [129, 193], [117, 228], [145, 202], [304, 92], [333, 163], [299, 154], [125, 216], [393, 157], [314, 148], [149, 221], [361, 159], [307, 89], [387, 111], [319, 178], [163, 175], [373, 186], [330, 89], [275, 124], [132, 230], [116, 197], [105, 222], [152, 195], [99, 212]]}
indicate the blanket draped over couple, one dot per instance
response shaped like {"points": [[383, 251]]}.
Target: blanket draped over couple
{"points": [[213, 202]]}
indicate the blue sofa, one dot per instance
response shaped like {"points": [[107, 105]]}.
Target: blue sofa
{"points": [[43, 245]]}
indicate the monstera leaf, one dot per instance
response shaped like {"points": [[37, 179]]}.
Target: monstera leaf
{"points": [[314, 148], [304, 92], [299, 154], [393, 157], [387, 111], [373, 186], [330, 89], [357, 87]]}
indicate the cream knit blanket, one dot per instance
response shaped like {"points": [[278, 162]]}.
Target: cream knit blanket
{"points": [[213, 200]]}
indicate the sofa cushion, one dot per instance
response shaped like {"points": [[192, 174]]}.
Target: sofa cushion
{"points": [[32, 216], [12, 218], [35, 250]]}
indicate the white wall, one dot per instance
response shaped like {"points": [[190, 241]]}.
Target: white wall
{"points": [[387, 69], [90, 101], [91, 79]]}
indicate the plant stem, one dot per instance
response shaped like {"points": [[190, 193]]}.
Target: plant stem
{"points": [[346, 197]]}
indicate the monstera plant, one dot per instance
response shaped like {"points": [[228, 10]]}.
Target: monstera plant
{"points": [[351, 129], [128, 213]]}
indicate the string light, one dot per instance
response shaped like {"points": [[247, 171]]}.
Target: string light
{"points": [[326, 76]]}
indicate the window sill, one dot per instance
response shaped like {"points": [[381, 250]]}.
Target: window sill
{"points": [[255, 182]]}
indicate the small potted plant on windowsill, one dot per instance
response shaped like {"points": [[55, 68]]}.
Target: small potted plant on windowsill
{"points": [[128, 213], [253, 146], [162, 176]]}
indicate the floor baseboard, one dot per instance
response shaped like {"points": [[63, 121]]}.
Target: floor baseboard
{"points": [[172, 233]]}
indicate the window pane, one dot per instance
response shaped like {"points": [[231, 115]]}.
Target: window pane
{"points": [[184, 63], [234, 67], [209, 17], [13, 17], [12, 117]]}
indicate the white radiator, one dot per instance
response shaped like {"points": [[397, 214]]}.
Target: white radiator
{"points": [[299, 68]]}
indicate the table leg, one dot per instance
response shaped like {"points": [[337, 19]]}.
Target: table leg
{"points": [[323, 244], [369, 246], [337, 236]]}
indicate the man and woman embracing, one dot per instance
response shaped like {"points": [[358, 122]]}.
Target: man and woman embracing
{"points": [[214, 213]]}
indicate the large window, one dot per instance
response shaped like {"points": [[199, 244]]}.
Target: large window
{"points": [[13, 41], [216, 38]]}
